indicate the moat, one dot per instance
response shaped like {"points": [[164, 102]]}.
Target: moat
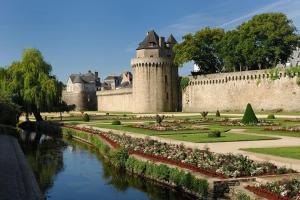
{"points": [[68, 169]]}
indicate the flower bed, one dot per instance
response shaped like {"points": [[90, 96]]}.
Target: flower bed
{"points": [[281, 190], [288, 129], [203, 161], [165, 127], [239, 123]]}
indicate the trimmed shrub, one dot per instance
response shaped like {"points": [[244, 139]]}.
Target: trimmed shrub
{"points": [[214, 134], [159, 119], [271, 116], [218, 113], [204, 114], [249, 116], [86, 117], [116, 122]]}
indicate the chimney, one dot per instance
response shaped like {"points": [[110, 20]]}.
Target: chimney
{"points": [[161, 41]]}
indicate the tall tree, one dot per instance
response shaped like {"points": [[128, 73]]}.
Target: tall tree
{"points": [[231, 52], [267, 39], [203, 48], [32, 85]]}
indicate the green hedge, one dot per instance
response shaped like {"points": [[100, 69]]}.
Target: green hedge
{"points": [[164, 173], [120, 158]]}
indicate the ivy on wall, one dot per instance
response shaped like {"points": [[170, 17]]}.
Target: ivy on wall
{"points": [[290, 72]]}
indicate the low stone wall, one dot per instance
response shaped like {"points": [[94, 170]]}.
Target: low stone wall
{"points": [[120, 100], [232, 91], [17, 181]]}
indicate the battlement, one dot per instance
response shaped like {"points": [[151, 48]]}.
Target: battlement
{"points": [[264, 89], [222, 78], [114, 92]]}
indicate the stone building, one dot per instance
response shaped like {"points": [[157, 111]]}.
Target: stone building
{"points": [[153, 86], [81, 91], [154, 82]]}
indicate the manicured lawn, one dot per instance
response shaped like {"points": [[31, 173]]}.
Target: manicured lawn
{"points": [[226, 137], [287, 152], [274, 133]]}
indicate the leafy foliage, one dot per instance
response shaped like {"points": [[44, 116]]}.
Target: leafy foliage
{"points": [[30, 84], [202, 48], [262, 42], [116, 122], [214, 134], [204, 114], [9, 112], [249, 116], [271, 116], [184, 82], [86, 117], [159, 119]]}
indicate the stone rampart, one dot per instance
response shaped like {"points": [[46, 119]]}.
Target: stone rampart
{"points": [[232, 91], [119, 100]]}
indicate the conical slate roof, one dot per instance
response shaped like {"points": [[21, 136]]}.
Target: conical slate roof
{"points": [[150, 42], [171, 40]]}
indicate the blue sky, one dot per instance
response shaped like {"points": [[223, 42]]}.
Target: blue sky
{"points": [[77, 35]]}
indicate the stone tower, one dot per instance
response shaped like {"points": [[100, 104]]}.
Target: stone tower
{"points": [[155, 76]]}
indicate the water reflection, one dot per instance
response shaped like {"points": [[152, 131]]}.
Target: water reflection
{"points": [[67, 169]]}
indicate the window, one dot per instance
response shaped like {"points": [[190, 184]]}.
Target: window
{"points": [[167, 96], [166, 79]]}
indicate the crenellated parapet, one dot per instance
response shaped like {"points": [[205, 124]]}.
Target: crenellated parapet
{"points": [[270, 90], [222, 78]]}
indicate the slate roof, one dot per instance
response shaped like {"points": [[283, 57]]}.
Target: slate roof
{"points": [[83, 78], [151, 37], [171, 40]]}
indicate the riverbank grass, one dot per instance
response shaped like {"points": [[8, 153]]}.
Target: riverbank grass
{"points": [[286, 152]]}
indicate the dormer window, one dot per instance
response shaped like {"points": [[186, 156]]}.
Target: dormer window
{"points": [[151, 44]]}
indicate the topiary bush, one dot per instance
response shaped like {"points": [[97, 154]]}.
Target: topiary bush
{"points": [[249, 116], [116, 122], [271, 116], [86, 117], [218, 113], [214, 134]]}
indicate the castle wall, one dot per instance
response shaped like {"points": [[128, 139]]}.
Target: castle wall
{"points": [[82, 100], [120, 100], [232, 91]]}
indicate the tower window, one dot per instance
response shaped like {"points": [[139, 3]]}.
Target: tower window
{"points": [[167, 96], [166, 79]]}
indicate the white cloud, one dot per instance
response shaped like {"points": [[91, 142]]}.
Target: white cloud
{"points": [[190, 23]]}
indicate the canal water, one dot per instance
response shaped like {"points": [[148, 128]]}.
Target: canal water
{"points": [[70, 170]]}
